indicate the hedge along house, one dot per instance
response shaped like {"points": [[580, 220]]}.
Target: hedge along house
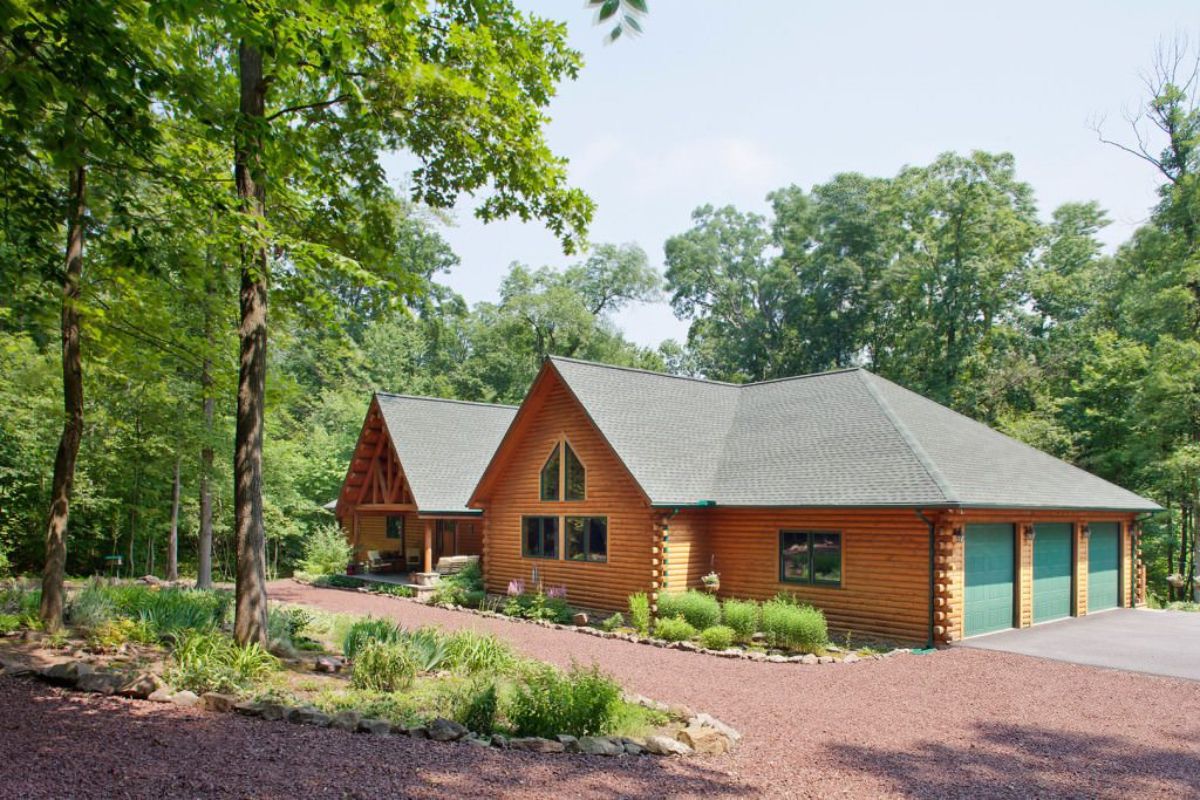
{"points": [[895, 515], [415, 464]]}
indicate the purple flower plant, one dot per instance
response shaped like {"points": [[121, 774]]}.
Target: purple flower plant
{"points": [[556, 592], [516, 587]]}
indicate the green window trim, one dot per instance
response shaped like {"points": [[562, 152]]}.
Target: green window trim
{"points": [[539, 537], [586, 539], [810, 557]]}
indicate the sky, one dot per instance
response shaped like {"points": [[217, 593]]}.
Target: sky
{"points": [[721, 102]]}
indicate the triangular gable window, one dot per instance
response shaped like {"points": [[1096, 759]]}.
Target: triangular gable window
{"points": [[575, 480], [549, 489]]}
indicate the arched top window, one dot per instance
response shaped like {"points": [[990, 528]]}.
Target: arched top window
{"points": [[563, 475]]}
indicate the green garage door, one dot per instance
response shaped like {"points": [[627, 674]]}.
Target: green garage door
{"points": [[989, 578], [1051, 571], [1104, 574]]}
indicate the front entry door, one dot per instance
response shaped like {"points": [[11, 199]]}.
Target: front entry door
{"points": [[445, 539]]}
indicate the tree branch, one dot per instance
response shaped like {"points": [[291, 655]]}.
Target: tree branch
{"points": [[341, 98]]}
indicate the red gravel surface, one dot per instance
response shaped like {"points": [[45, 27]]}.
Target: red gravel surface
{"points": [[960, 723]]}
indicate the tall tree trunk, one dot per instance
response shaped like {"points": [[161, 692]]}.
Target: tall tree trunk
{"points": [[204, 568], [72, 432], [173, 541], [250, 621]]}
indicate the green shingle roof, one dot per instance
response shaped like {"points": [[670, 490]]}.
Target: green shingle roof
{"points": [[443, 446], [846, 438]]}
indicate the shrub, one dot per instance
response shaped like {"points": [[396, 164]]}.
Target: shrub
{"points": [[338, 582], [580, 702], [471, 652], [718, 637], [613, 623], [210, 661], [327, 552], [788, 624], [478, 709], [393, 589], [674, 629], [9, 623], [639, 613], [91, 607], [171, 612], [425, 647], [383, 666], [699, 609], [462, 588], [113, 633], [368, 630], [742, 616]]}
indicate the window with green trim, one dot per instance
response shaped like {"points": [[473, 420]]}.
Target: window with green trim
{"points": [[813, 557], [549, 490], [539, 537], [587, 538]]}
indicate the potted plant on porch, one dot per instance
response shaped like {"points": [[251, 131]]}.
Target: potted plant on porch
{"points": [[712, 582]]}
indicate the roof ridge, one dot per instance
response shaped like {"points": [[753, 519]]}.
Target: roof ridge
{"points": [[445, 400], [822, 374], [918, 451], [643, 371]]}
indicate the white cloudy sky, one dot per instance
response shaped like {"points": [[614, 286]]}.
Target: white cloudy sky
{"points": [[721, 102]]}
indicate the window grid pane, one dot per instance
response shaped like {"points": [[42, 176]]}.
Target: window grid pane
{"points": [[587, 538], [549, 479], [812, 557], [576, 478], [539, 537]]}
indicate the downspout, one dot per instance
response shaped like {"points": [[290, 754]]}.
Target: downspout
{"points": [[932, 575]]}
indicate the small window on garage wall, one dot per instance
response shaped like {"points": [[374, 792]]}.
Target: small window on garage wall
{"points": [[812, 557], [587, 538]]}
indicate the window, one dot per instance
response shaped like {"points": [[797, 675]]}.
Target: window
{"points": [[539, 537], [549, 489], [395, 527], [587, 538], [810, 557], [575, 478]]}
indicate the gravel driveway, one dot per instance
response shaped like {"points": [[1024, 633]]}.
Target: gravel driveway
{"points": [[959, 723]]}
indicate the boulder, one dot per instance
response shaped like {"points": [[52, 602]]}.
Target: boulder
{"points": [[162, 694], [445, 730], [536, 744], [15, 668], [776, 659], [218, 702], [579, 620], [825, 659], [186, 699], [273, 712], [416, 732], [710, 721], [680, 712], [307, 715], [346, 721], [633, 747], [100, 682], [569, 742], [704, 740], [330, 664], [809, 658], [851, 658], [248, 708], [66, 674], [478, 741], [666, 746], [375, 727], [150, 580], [140, 685], [600, 746]]}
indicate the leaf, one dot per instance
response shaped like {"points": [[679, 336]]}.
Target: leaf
{"points": [[632, 23], [638, 6], [609, 8]]}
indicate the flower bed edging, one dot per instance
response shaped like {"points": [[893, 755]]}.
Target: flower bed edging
{"points": [[807, 659], [701, 734]]}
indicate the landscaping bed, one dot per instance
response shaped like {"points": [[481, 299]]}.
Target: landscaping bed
{"points": [[334, 670]]}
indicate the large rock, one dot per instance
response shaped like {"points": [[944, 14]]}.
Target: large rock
{"points": [[375, 727], [218, 702], [248, 708], [710, 721], [140, 685], [704, 740], [445, 730], [186, 698], [666, 746], [330, 664], [346, 721], [67, 673], [633, 747], [569, 742], [100, 682], [307, 715], [162, 694], [536, 744], [15, 668], [851, 658], [600, 746], [273, 712]]}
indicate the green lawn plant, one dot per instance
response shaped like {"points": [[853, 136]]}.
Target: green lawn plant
{"points": [[210, 661], [613, 623], [701, 610], [327, 551], [674, 629], [790, 624], [742, 616], [580, 702], [639, 613], [370, 629], [383, 666], [718, 637]]}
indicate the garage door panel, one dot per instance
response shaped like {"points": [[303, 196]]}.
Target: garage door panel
{"points": [[1051, 571], [1104, 573], [989, 578]]}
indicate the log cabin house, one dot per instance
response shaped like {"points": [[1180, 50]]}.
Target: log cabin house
{"points": [[895, 515], [403, 504]]}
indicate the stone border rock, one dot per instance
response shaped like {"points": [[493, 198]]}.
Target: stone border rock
{"points": [[701, 734], [690, 647]]}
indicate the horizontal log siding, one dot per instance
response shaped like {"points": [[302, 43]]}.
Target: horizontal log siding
{"points": [[688, 552], [372, 533], [885, 565], [610, 492]]}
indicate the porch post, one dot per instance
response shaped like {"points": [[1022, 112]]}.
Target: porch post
{"points": [[428, 545]]}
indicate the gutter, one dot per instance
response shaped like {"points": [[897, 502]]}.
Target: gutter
{"points": [[932, 575]]}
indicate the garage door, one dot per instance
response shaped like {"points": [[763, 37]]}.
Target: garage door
{"points": [[1051, 571], [1104, 574], [989, 578]]}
